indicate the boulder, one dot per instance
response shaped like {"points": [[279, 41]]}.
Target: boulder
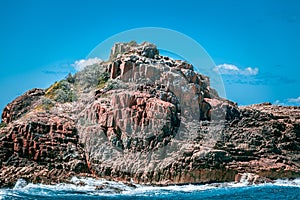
{"points": [[155, 121]]}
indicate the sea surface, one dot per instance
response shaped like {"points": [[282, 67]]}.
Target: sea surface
{"points": [[102, 189]]}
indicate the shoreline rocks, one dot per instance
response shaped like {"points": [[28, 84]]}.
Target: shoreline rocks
{"points": [[154, 121]]}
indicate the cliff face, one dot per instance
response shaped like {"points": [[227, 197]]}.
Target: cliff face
{"points": [[144, 117]]}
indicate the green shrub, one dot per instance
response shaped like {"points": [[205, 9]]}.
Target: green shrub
{"points": [[3, 124], [70, 78], [91, 76], [47, 104], [113, 84], [61, 91], [103, 78]]}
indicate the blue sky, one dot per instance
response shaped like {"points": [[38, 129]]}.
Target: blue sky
{"points": [[254, 43]]}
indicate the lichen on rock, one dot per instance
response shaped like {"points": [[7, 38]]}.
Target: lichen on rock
{"points": [[145, 117]]}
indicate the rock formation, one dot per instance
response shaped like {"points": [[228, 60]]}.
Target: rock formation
{"points": [[148, 118]]}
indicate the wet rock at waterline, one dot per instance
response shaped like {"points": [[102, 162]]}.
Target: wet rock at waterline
{"points": [[145, 118]]}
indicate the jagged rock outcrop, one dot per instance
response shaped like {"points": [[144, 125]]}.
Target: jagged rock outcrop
{"points": [[21, 105], [145, 117], [45, 142]]}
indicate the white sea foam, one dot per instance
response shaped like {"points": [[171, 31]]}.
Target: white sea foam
{"points": [[100, 187], [288, 183], [191, 188], [2, 193], [20, 184]]}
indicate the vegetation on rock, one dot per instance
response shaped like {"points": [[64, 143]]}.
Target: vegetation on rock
{"points": [[61, 92], [146, 118], [3, 124], [102, 80], [46, 105], [90, 77]]}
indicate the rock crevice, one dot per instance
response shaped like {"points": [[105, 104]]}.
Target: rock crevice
{"points": [[145, 117]]}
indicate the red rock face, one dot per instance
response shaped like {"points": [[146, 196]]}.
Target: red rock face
{"points": [[21, 105], [131, 113], [48, 143], [155, 121]]}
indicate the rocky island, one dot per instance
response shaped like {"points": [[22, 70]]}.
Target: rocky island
{"points": [[144, 118]]}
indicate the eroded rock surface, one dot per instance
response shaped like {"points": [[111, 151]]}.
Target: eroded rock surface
{"points": [[21, 105], [145, 117]]}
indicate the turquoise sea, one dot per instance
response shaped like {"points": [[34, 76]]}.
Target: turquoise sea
{"points": [[102, 189]]}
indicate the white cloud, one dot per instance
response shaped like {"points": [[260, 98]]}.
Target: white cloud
{"points": [[288, 102], [294, 100], [81, 64], [230, 69], [279, 103], [276, 102]]}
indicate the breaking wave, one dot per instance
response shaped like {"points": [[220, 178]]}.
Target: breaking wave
{"points": [[88, 188]]}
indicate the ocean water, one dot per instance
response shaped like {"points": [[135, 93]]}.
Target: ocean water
{"points": [[102, 189]]}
